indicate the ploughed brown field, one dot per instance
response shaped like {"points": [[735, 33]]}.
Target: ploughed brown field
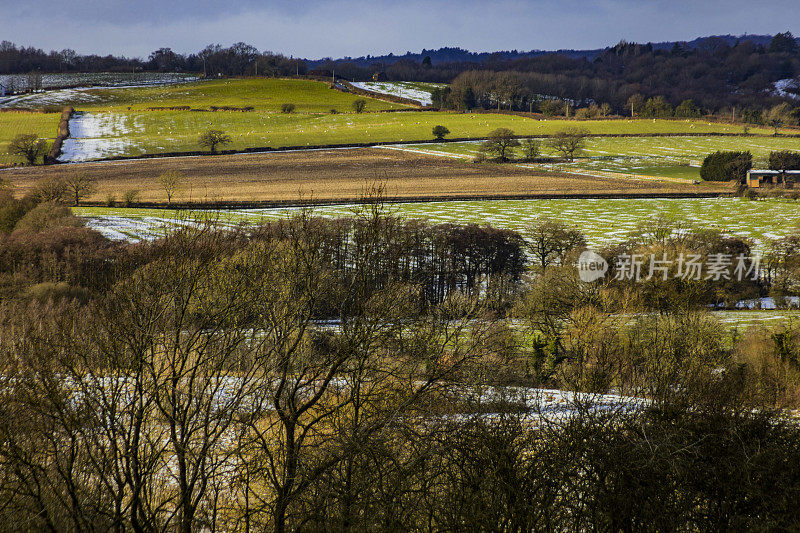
{"points": [[332, 175]]}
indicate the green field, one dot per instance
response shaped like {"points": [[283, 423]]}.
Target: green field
{"points": [[13, 124], [264, 94], [603, 220], [675, 157], [139, 132]]}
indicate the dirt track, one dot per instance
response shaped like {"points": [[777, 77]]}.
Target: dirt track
{"points": [[331, 175]]}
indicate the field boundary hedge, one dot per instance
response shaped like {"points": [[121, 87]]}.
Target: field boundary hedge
{"points": [[63, 133], [256, 204]]}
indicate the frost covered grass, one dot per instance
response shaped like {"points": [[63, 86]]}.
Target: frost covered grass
{"points": [[603, 221], [13, 124]]}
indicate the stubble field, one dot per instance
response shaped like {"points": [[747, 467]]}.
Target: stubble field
{"points": [[329, 175]]}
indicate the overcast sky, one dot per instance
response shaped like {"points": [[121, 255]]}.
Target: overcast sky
{"points": [[355, 27]]}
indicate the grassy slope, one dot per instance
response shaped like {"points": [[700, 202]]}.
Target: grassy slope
{"points": [[13, 124], [264, 94]]}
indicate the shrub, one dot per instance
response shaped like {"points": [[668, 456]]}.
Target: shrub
{"points": [[359, 105], [784, 160], [54, 292], [551, 108], [582, 113], [45, 216], [287, 108], [11, 211], [111, 200], [726, 166], [130, 197]]}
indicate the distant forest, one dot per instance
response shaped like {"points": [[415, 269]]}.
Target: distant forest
{"points": [[707, 75]]}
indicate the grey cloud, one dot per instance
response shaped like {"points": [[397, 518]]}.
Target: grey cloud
{"points": [[357, 27]]}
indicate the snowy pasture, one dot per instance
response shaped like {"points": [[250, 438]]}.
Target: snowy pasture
{"points": [[672, 157], [603, 221], [420, 92], [79, 88], [97, 135]]}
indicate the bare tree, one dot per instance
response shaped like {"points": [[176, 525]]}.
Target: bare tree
{"points": [[141, 392], [29, 146], [569, 142], [328, 395], [550, 241], [499, 142], [171, 181], [79, 186], [50, 189], [531, 148]]}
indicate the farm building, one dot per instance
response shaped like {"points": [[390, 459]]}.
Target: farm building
{"points": [[767, 178]]}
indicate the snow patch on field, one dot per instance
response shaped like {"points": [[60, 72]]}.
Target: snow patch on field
{"points": [[768, 303], [78, 88], [550, 402], [119, 228], [49, 98], [95, 136], [396, 88], [23, 82], [789, 87]]}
